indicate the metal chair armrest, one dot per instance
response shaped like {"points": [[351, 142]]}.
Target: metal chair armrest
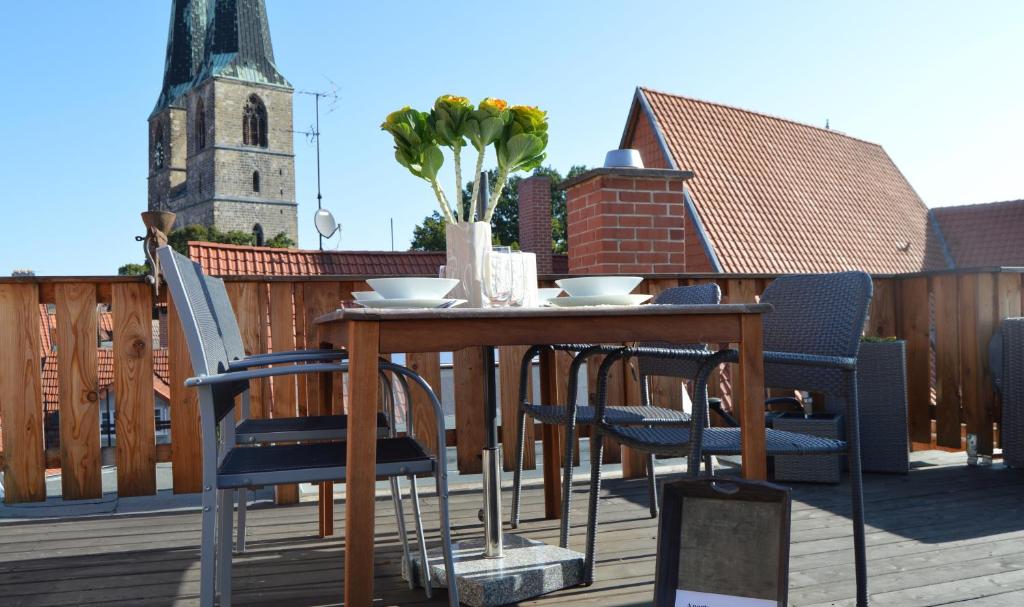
{"points": [[237, 376], [275, 358]]}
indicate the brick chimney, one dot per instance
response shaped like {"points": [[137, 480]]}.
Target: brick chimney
{"points": [[627, 221], [535, 220]]}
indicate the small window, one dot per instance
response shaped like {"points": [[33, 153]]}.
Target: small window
{"points": [[200, 125], [255, 181], [257, 232]]}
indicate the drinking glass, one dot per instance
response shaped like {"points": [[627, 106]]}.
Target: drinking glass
{"points": [[517, 277], [496, 277]]}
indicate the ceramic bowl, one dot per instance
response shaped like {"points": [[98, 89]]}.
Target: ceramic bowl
{"points": [[590, 286], [419, 287], [364, 295], [547, 293]]}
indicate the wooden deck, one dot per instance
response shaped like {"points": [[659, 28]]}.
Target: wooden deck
{"points": [[945, 534]]}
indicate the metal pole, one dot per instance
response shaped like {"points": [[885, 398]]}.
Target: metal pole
{"points": [[316, 97], [491, 462], [392, 233]]}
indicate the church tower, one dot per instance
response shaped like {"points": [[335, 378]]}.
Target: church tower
{"points": [[233, 120]]}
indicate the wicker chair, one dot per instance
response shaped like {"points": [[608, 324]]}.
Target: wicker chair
{"points": [[228, 466], [573, 414], [1007, 362], [811, 339]]}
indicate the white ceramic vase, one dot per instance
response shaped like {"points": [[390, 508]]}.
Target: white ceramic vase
{"points": [[468, 247]]}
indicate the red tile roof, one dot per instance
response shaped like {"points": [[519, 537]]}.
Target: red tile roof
{"points": [[779, 196], [47, 327], [104, 376], [984, 235], [240, 260]]}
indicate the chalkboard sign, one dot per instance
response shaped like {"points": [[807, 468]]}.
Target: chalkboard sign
{"points": [[723, 543]]}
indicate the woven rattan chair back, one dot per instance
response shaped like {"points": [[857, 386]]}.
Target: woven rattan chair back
{"points": [[705, 294], [819, 314]]}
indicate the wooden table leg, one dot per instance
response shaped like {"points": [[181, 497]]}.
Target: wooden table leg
{"points": [[551, 438], [750, 398], [325, 506], [326, 509], [363, 350]]}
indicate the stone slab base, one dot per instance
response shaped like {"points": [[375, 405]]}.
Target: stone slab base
{"points": [[527, 569]]}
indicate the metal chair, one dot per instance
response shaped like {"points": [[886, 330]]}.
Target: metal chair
{"points": [[811, 340], [573, 414], [228, 466], [251, 431]]}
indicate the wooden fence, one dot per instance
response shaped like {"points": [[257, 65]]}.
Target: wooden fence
{"points": [[947, 319]]}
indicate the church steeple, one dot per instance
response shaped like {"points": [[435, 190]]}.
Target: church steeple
{"points": [[238, 43], [186, 41]]}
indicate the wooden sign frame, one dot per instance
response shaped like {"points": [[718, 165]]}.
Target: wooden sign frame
{"points": [[745, 507]]}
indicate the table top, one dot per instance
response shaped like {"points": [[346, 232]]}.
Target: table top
{"points": [[395, 314]]}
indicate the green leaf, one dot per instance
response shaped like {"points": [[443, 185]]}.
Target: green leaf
{"points": [[432, 160]]}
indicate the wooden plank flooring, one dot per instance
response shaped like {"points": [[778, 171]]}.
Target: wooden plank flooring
{"points": [[945, 534]]}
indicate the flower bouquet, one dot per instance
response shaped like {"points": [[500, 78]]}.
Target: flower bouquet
{"points": [[519, 136]]}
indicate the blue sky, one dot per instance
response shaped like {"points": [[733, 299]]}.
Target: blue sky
{"points": [[938, 84]]}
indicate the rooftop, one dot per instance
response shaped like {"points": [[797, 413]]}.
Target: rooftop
{"points": [[984, 235], [776, 195]]}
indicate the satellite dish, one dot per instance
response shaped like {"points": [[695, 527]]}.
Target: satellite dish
{"points": [[325, 223]]}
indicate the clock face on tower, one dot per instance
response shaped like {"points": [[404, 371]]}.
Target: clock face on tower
{"points": [[158, 155]]}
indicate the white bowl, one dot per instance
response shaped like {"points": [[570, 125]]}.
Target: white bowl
{"points": [[547, 293], [365, 295], [590, 286], [412, 287]]}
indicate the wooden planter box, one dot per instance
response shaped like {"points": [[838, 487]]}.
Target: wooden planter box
{"points": [[882, 392]]}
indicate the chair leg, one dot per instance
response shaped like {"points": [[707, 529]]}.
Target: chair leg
{"points": [[567, 473], [709, 465], [596, 454], [856, 490], [243, 499], [207, 550], [517, 477], [420, 538], [225, 512], [396, 501], [441, 479], [652, 486]]}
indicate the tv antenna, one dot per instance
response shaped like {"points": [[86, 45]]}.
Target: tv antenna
{"points": [[313, 135]]}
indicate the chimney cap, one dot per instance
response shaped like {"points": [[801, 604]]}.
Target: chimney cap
{"points": [[623, 159]]}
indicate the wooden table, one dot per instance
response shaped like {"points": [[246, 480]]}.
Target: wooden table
{"points": [[369, 333]]}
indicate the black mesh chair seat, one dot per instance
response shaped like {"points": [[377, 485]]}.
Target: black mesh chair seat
{"points": [[284, 429], [315, 462], [554, 414], [724, 441]]}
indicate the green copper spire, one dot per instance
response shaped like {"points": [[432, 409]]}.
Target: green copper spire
{"points": [[238, 43], [186, 40]]}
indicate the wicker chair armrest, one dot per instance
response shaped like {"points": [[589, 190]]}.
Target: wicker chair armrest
{"points": [[709, 360], [847, 363]]}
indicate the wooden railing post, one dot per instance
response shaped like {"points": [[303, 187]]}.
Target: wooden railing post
{"points": [[79, 395], [914, 328], [21, 398], [133, 372], [948, 413]]}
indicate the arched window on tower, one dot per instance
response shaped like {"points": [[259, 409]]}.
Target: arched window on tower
{"points": [[158, 146], [257, 232], [254, 122], [256, 181], [200, 125]]}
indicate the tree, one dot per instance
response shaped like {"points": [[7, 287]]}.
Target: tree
{"points": [[179, 239], [133, 269], [429, 235]]}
